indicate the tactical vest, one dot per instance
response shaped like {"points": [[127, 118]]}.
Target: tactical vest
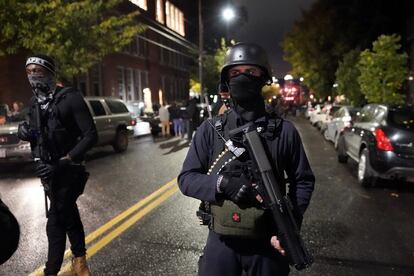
{"points": [[59, 140], [227, 217]]}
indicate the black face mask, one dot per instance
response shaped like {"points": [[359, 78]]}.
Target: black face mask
{"points": [[246, 92], [245, 88]]}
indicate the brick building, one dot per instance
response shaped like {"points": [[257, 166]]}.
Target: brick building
{"points": [[153, 67]]}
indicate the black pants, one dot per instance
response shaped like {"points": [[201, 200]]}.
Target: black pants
{"points": [[232, 256], [64, 217]]}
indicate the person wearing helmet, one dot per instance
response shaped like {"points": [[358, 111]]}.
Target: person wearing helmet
{"points": [[60, 130], [241, 233]]}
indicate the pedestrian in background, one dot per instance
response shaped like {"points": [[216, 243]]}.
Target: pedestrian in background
{"points": [[184, 117], [60, 131], [165, 120], [17, 108], [193, 117], [175, 118]]}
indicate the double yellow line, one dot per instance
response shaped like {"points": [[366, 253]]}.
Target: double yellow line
{"points": [[135, 213]]}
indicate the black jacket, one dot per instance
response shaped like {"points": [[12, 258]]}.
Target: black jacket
{"points": [[194, 181], [74, 131]]}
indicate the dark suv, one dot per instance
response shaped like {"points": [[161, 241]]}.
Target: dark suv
{"points": [[381, 140]]}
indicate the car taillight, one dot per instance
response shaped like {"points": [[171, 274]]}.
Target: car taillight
{"points": [[133, 122], [383, 143]]}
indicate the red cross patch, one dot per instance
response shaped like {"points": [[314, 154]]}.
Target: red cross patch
{"points": [[236, 217]]}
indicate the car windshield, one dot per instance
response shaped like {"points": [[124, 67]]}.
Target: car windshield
{"points": [[354, 112], [403, 118]]}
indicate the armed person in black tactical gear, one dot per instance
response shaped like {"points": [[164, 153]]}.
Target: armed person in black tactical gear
{"points": [[60, 131], [222, 170]]}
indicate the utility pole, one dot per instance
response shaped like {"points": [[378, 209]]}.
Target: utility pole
{"points": [[200, 49]]}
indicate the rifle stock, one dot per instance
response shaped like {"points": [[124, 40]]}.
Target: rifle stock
{"points": [[279, 205]]}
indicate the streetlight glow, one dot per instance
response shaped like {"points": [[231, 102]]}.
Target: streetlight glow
{"points": [[228, 14]]}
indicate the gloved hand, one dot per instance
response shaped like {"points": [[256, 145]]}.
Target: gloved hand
{"points": [[46, 171], [25, 132], [236, 188]]}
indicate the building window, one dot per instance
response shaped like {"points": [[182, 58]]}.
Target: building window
{"points": [[95, 78], [160, 11], [129, 84], [175, 18], [121, 83], [142, 46], [140, 3]]}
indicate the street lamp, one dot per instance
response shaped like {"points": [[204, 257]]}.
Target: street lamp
{"points": [[228, 14]]}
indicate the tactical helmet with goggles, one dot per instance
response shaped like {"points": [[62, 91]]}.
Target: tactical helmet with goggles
{"points": [[246, 54]]}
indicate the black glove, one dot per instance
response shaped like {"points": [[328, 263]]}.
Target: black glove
{"points": [[25, 132], [46, 171], [236, 188]]}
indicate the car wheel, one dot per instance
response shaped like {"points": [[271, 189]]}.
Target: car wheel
{"points": [[336, 141], [342, 157], [365, 178], [325, 134], [121, 141]]}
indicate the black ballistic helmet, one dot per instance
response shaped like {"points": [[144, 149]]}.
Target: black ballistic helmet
{"points": [[246, 54]]}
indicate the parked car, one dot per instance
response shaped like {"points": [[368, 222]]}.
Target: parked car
{"points": [[319, 117], [381, 140], [112, 119], [11, 147], [322, 124], [141, 126], [340, 119], [311, 109]]}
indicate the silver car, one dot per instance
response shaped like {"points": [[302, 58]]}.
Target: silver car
{"points": [[340, 119], [113, 121], [11, 147]]}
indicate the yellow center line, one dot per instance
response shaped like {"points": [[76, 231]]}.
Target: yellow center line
{"points": [[124, 226], [101, 230]]}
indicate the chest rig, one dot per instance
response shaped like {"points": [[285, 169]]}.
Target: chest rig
{"points": [[58, 138], [225, 217]]}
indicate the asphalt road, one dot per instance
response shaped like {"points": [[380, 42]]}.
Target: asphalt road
{"points": [[133, 231]]}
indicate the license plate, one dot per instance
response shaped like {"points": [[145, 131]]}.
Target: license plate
{"points": [[2, 153]]}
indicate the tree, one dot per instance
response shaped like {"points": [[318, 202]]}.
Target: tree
{"points": [[347, 78], [77, 34], [383, 70], [212, 64], [332, 28]]}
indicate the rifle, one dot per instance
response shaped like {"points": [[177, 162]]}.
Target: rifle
{"points": [[279, 205], [41, 153]]}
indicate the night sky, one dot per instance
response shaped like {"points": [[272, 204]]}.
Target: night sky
{"points": [[268, 21]]}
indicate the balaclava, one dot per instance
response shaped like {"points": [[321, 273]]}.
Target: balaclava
{"points": [[246, 92], [43, 85]]}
